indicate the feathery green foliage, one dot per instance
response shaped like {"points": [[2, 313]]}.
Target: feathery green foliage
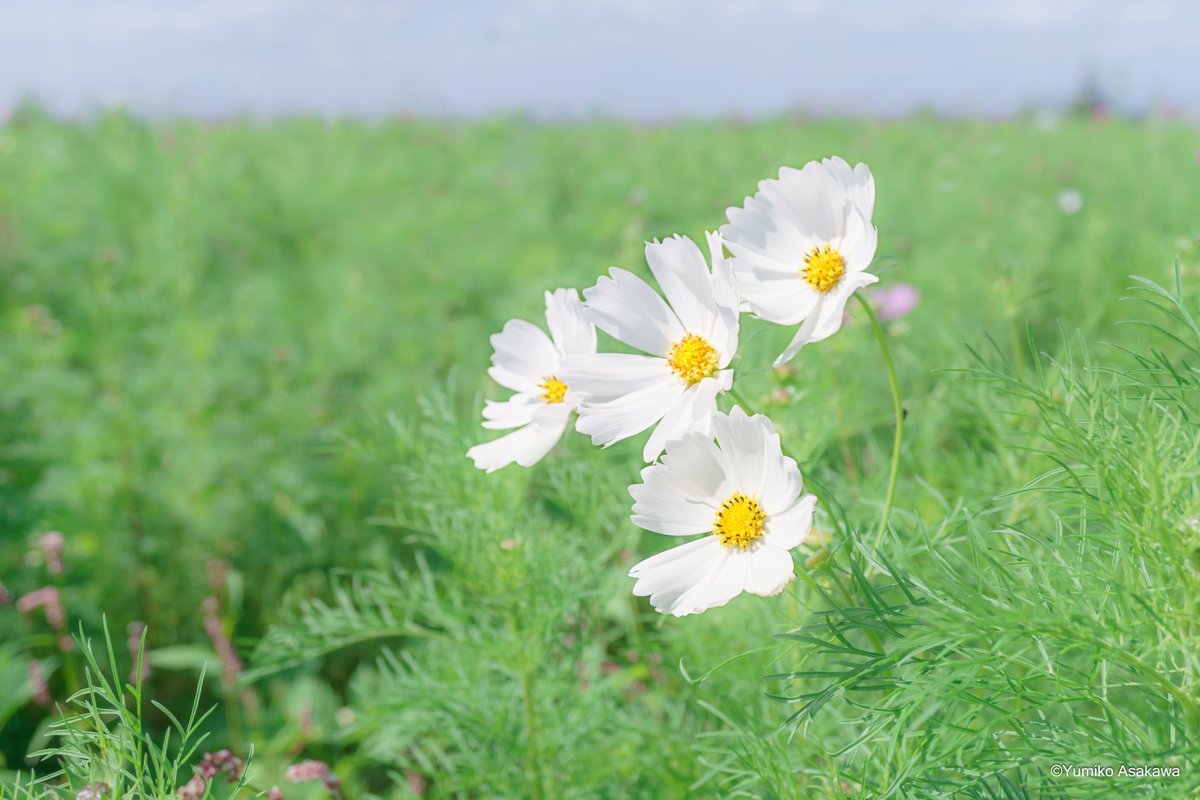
{"points": [[203, 328], [102, 743]]}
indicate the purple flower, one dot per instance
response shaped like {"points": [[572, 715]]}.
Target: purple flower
{"points": [[896, 301]]}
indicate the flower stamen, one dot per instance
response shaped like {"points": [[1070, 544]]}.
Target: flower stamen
{"points": [[693, 359], [823, 268], [553, 390], [739, 522]]}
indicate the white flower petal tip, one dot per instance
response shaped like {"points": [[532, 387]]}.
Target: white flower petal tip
{"points": [[531, 363], [745, 499], [801, 245], [688, 334]]}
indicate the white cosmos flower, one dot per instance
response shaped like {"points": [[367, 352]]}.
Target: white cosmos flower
{"points": [[801, 246], [690, 338], [745, 496], [530, 363]]}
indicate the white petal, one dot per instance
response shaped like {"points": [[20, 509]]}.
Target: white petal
{"points": [[523, 357], [569, 325], [789, 529], [511, 413], [663, 506], [726, 325], [680, 269], [751, 450], [601, 377], [689, 554], [692, 412], [858, 183], [826, 320], [724, 289], [814, 200], [669, 576], [833, 306], [553, 415], [525, 446], [802, 337], [694, 465], [782, 482], [716, 588], [626, 308], [613, 420], [859, 242], [770, 571], [764, 229], [784, 301]]}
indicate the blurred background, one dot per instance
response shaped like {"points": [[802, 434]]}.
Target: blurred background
{"points": [[597, 58], [250, 257]]}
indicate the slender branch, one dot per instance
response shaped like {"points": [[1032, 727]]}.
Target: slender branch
{"points": [[898, 410]]}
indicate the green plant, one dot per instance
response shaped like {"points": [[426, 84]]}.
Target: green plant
{"points": [[102, 747]]}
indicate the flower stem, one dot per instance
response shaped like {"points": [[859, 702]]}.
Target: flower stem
{"points": [[898, 410], [741, 401]]}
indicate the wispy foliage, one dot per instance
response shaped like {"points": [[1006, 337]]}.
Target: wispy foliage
{"points": [[1056, 628], [102, 746]]}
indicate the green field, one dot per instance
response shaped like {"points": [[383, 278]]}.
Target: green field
{"points": [[245, 361]]}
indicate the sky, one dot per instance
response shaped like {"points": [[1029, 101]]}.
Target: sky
{"points": [[637, 59]]}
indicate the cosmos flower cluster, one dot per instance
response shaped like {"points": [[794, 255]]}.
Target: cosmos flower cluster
{"points": [[793, 254]]}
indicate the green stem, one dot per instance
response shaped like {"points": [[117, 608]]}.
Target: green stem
{"points": [[741, 401], [898, 410], [533, 750]]}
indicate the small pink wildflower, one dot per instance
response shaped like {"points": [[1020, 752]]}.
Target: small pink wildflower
{"points": [[231, 664], [209, 767], [312, 770], [52, 549], [896, 301], [49, 601], [40, 690]]}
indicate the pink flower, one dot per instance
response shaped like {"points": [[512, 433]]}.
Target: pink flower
{"points": [[896, 301], [209, 767], [49, 600], [52, 548], [231, 664], [312, 770], [37, 683]]}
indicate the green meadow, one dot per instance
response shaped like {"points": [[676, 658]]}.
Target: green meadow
{"points": [[241, 364]]}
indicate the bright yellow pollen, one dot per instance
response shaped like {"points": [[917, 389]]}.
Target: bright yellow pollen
{"points": [[553, 390], [823, 268], [739, 522], [693, 359]]}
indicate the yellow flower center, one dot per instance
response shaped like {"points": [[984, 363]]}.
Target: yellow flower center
{"points": [[553, 390], [823, 268], [693, 359], [740, 521]]}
